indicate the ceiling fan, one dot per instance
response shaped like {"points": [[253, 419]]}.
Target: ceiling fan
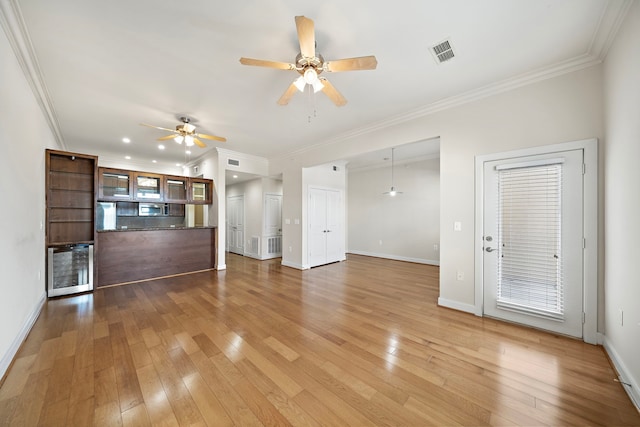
{"points": [[186, 132], [309, 64]]}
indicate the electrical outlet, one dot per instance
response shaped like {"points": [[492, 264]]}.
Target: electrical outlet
{"points": [[289, 248], [380, 242], [460, 275], [435, 247], [457, 226]]}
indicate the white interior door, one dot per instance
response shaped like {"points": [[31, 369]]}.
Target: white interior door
{"points": [[235, 224], [317, 240], [533, 241], [326, 235], [273, 214], [335, 238]]}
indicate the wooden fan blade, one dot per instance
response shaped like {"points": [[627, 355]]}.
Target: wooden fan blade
{"points": [[199, 143], [165, 138], [352, 64], [268, 64], [333, 93], [306, 36], [215, 138], [284, 99], [157, 127]]}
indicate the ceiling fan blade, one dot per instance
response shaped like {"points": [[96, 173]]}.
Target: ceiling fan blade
{"points": [[268, 64], [284, 99], [215, 138], [157, 127], [333, 93], [165, 138], [199, 143], [306, 36], [352, 64]]}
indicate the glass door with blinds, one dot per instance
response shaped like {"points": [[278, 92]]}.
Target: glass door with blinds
{"points": [[533, 241]]}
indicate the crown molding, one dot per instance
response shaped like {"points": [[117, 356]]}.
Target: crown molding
{"points": [[610, 21], [15, 29]]}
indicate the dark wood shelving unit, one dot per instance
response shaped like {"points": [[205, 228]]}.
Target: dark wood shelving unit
{"points": [[71, 188]]}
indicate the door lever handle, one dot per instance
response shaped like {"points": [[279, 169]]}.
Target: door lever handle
{"points": [[489, 249]]}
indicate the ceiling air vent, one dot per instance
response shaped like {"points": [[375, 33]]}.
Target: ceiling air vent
{"points": [[233, 162], [442, 52]]}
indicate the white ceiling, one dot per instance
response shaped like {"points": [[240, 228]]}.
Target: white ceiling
{"points": [[109, 65]]}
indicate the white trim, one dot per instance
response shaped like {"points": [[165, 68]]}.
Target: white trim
{"points": [[456, 305], [590, 232], [395, 257], [294, 265], [6, 360], [533, 163], [16, 30], [221, 267], [624, 374]]}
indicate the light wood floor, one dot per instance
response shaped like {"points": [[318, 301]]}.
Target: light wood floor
{"points": [[359, 343]]}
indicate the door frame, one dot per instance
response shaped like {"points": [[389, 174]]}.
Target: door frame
{"points": [[227, 234], [590, 227]]}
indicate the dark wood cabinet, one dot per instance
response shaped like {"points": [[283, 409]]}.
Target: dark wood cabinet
{"points": [[115, 184], [175, 188], [147, 187], [200, 191], [135, 186], [71, 187]]}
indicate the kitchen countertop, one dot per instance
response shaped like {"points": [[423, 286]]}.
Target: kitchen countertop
{"points": [[157, 229]]}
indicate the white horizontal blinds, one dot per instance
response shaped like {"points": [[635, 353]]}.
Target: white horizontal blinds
{"points": [[529, 238]]}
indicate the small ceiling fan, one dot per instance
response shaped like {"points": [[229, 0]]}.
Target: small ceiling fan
{"points": [[186, 132], [309, 64]]}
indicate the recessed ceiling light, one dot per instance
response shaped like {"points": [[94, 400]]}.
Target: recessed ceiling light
{"points": [[187, 152], [127, 157], [178, 164], [235, 176], [126, 140], [161, 147], [154, 161]]}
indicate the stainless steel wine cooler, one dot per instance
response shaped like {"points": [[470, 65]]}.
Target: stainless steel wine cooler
{"points": [[70, 269]]}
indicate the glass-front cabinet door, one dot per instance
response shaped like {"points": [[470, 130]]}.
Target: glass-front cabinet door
{"points": [[114, 184], [175, 189], [200, 191], [147, 186]]}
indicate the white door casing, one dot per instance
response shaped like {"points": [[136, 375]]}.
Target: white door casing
{"points": [[590, 211], [272, 214], [533, 241], [235, 224], [326, 236]]}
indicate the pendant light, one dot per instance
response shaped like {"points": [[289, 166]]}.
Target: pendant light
{"points": [[393, 190]]}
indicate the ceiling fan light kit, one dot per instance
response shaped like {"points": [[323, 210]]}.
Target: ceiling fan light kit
{"points": [[309, 64], [186, 132], [393, 192]]}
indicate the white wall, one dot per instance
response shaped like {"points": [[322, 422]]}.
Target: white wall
{"points": [[405, 227], [24, 136], [622, 199], [559, 109]]}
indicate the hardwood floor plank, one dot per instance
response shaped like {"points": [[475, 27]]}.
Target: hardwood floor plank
{"points": [[361, 343], [209, 406], [156, 401]]}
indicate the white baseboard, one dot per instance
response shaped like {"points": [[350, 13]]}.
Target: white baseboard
{"points": [[460, 306], [6, 360], [294, 265], [624, 376], [221, 267], [395, 257]]}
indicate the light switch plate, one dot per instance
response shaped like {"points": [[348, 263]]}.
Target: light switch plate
{"points": [[457, 226]]}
